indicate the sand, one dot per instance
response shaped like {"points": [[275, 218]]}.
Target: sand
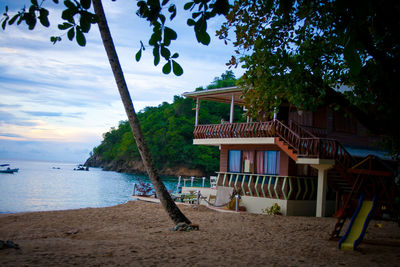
{"points": [[138, 234]]}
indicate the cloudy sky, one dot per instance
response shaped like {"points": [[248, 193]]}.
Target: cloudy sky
{"points": [[56, 101]]}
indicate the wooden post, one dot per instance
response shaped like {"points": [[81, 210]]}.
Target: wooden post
{"points": [[196, 121], [232, 106]]}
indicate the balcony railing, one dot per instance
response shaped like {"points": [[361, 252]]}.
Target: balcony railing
{"points": [[270, 186], [303, 141], [234, 130]]}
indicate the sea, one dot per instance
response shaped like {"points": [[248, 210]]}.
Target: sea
{"points": [[45, 186]]}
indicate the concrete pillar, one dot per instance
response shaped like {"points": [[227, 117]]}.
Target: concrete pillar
{"points": [[321, 192], [196, 120], [232, 106], [321, 188]]}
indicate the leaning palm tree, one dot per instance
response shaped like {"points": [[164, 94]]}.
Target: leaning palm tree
{"points": [[166, 201]]}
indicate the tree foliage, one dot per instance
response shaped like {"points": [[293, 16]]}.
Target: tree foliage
{"points": [[78, 17], [168, 130], [305, 51]]}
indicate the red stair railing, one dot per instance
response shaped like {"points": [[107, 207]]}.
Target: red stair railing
{"points": [[303, 141]]}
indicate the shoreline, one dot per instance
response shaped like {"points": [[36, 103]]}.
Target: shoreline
{"points": [[139, 233]]}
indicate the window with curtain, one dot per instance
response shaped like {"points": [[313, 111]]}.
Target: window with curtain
{"points": [[234, 161], [271, 162], [248, 160], [260, 162]]}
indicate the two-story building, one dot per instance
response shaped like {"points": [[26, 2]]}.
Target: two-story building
{"points": [[306, 162]]}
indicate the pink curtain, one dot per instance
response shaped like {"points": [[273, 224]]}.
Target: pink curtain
{"points": [[260, 162]]}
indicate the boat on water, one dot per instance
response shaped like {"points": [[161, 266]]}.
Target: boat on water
{"points": [[5, 168], [81, 167]]}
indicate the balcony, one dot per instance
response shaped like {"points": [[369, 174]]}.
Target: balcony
{"points": [[270, 186], [297, 141], [235, 130]]}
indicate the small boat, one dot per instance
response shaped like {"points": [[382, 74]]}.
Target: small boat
{"points": [[81, 167], [5, 168]]}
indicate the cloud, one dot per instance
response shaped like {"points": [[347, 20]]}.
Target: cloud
{"points": [[76, 152], [9, 105], [67, 94], [54, 114], [9, 118], [10, 135], [43, 113]]}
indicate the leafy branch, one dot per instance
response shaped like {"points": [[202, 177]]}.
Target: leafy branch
{"points": [[162, 36], [78, 20]]}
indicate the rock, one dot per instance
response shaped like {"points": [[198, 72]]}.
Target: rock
{"points": [[72, 232], [136, 166], [8, 244], [182, 226]]}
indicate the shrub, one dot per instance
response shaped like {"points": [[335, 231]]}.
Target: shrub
{"points": [[273, 210], [143, 188]]}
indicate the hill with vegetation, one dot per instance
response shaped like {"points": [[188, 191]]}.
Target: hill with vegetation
{"points": [[168, 130]]}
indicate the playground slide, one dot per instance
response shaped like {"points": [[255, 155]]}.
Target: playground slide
{"points": [[358, 225]]}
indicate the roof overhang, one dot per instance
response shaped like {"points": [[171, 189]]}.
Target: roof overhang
{"points": [[221, 95]]}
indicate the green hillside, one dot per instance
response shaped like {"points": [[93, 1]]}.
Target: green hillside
{"points": [[168, 131]]}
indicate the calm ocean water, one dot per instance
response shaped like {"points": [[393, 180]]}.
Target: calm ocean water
{"points": [[39, 187]]}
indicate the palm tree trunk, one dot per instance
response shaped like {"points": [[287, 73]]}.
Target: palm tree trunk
{"points": [[173, 211]]}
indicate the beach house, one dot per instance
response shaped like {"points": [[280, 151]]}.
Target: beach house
{"points": [[309, 163]]}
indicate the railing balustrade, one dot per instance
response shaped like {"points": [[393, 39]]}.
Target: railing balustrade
{"points": [[270, 186], [234, 130], [301, 140], [300, 130], [317, 132]]}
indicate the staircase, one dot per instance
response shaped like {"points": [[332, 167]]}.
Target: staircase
{"points": [[289, 150], [346, 177]]}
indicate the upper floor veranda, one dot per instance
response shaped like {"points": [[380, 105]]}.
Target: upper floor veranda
{"points": [[323, 133]]}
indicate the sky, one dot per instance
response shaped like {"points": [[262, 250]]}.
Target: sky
{"points": [[56, 101]]}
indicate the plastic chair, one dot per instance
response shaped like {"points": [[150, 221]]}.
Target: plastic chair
{"points": [[213, 182]]}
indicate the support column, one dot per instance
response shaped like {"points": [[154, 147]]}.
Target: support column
{"points": [[232, 106], [196, 120], [321, 192], [322, 186]]}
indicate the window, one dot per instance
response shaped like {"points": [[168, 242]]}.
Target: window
{"points": [[271, 162], [342, 122], [234, 160], [267, 162], [260, 162], [248, 161]]}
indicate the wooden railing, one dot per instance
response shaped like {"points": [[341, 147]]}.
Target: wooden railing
{"points": [[270, 186], [300, 130], [317, 132], [302, 141], [234, 130]]}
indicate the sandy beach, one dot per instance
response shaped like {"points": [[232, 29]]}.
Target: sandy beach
{"points": [[139, 234]]}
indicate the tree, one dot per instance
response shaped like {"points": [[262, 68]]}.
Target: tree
{"points": [[227, 79], [168, 131], [160, 40], [165, 198], [306, 51]]}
